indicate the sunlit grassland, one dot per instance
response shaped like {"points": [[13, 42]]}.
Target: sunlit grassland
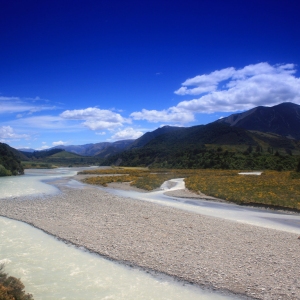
{"points": [[272, 188], [139, 177]]}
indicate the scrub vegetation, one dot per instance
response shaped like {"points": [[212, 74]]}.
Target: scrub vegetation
{"points": [[11, 288], [279, 189]]}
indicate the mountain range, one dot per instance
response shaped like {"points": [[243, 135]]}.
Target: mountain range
{"points": [[269, 129], [102, 149]]}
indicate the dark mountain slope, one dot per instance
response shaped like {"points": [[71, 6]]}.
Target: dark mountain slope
{"points": [[195, 136], [282, 119], [148, 136]]}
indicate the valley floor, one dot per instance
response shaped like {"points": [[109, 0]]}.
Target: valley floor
{"points": [[225, 255]]}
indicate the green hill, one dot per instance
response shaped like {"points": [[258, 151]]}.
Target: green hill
{"points": [[41, 154], [10, 163], [58, 157]]}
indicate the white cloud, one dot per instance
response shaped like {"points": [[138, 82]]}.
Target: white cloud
{"points": [[10, 105], [7, 132], [44, 146], [59, 143], [95, 118], [205, 83], [171, 115], [230, 90], [46, 122], [127, 134]]}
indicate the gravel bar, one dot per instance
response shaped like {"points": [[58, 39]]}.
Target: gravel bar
{"points": [[228, 256]]}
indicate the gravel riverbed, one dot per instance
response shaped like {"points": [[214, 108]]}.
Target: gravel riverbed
{"points": [[225, 255]]}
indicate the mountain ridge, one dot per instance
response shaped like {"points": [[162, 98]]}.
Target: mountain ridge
{"points": [[282, 119]]}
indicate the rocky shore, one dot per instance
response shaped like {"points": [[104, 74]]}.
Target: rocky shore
{"points": [[225, 255]]}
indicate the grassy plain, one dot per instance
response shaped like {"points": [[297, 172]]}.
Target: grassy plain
{"points": [[272, 188], [140, 177]]}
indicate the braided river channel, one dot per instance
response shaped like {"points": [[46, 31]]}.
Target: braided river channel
{"points": [[51, 269]]}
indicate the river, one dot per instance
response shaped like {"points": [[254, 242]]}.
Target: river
{"points": [[51, 269]]}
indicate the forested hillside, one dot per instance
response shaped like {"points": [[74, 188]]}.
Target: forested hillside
{"points": [[10, 163], [213, 146]]}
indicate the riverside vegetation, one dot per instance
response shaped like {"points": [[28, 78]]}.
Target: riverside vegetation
{"points": [[11, 288], [279, 189]]}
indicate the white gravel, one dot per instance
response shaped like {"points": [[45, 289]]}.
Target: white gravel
{"points": [[225, 255]]}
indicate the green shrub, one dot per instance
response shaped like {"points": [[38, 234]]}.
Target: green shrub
{"points": [[4, 172]]}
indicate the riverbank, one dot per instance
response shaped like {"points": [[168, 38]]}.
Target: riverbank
{"points": [[221, 254]]}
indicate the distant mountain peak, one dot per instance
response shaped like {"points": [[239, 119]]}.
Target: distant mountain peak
{"points": [[282, 119]]}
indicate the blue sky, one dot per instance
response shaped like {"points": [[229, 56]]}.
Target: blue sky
{"points": [[77, 72]]}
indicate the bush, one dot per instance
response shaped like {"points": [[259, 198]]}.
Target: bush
{"points": [[4, 172], [11, 288]]}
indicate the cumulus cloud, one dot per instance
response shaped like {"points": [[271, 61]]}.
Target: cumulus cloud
{"points": [[95, 118], [230, 90], [205, 83], [7, 132], [171, 115], [59, 143], [127, 134]]}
